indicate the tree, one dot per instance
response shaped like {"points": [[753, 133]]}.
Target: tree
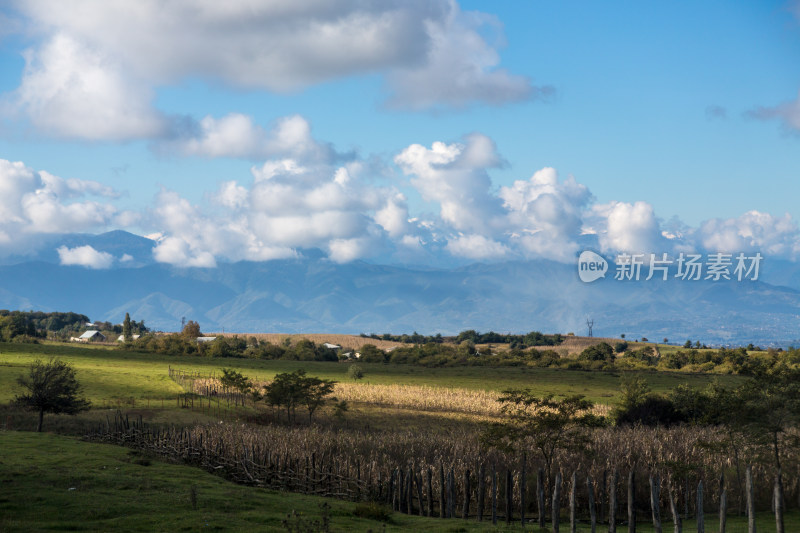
{"points": [[355, 373], [51, 387], [126, 328], [315, 393], [292, 389], [372, 354], [232, 379], [191, 330], [548, 424]]}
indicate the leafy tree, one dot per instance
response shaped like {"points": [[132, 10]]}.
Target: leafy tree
{"points": [[598, 352], [315, 393], [293, 389], [232, 379], [372, 354], [547, 423], [191, 330], [51, 387], [355, 373], [126, 328], [620, 347]]}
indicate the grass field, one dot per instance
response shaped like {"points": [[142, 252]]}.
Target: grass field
{"points": [[109, 375]]}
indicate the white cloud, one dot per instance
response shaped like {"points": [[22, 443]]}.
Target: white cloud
{"points": [[68, 90], [628, 227], [455, 176], [85, 256], [38, 202], [751, 232], [461, 68], [545, 215], [236, 135], [476, 247], [94, 71]]}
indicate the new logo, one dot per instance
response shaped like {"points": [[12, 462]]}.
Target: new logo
{"points": [[591, 266]]}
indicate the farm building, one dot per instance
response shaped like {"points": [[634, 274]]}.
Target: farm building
{"points": [[206, 339], [90, 336], [332, 346], [121, 338]]}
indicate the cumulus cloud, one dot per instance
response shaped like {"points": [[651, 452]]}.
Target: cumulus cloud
{"points": [[751, 232], [69, 90], [546, 215], [85, 256], [628, 227], [456, 177], [38, 202], [94, 70], [236, 135]]}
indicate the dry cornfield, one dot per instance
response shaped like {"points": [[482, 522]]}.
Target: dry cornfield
{"points": [[407, 397]]}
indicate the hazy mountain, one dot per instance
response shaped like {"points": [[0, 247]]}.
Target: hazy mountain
{"points": [[314, 295]]}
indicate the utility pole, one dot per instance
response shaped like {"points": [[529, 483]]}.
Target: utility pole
{"points": [[589, 324]]}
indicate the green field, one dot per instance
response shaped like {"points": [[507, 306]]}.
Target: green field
{"points": [[59, 483], [109, 375]]}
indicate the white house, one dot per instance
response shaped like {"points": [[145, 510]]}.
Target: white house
{"points": [[90, 336], [121, 338], [332, 346], [206, 339]]}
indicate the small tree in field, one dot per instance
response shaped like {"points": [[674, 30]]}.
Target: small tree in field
{"points": [[232, 379], [51, 387], [355, 373]]}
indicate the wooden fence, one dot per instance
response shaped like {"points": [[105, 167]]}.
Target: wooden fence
{"points": [[485, 493]]}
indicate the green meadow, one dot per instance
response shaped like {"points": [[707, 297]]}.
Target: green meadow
{"points": [[110, 375]]}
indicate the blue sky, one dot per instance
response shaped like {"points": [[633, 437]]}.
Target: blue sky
{"points": [[405, 132]]}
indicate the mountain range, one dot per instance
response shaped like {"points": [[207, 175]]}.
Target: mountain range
{"points": [[312, 294]]}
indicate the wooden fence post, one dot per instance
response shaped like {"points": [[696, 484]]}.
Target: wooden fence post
{"points": [[573, 527], [442, 489], [494, 494], [465, 508], [631, 502], [723, 504], [430, 492], [701, 525], [592, 510], [540, 497], [751, 506], [673, 507], [481, 489], [522, 483], [779, 528], [556, 507], [612, 503], [509, 496], [418, 478], [655, 489], [451, 494]]}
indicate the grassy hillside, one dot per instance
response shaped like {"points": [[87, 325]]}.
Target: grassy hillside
{"points": [[60, 483]]}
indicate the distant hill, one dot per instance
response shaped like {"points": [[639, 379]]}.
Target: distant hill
{"points": [[313, 294]]}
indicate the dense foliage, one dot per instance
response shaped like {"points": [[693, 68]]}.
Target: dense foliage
{"points": [[534, 338]]}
